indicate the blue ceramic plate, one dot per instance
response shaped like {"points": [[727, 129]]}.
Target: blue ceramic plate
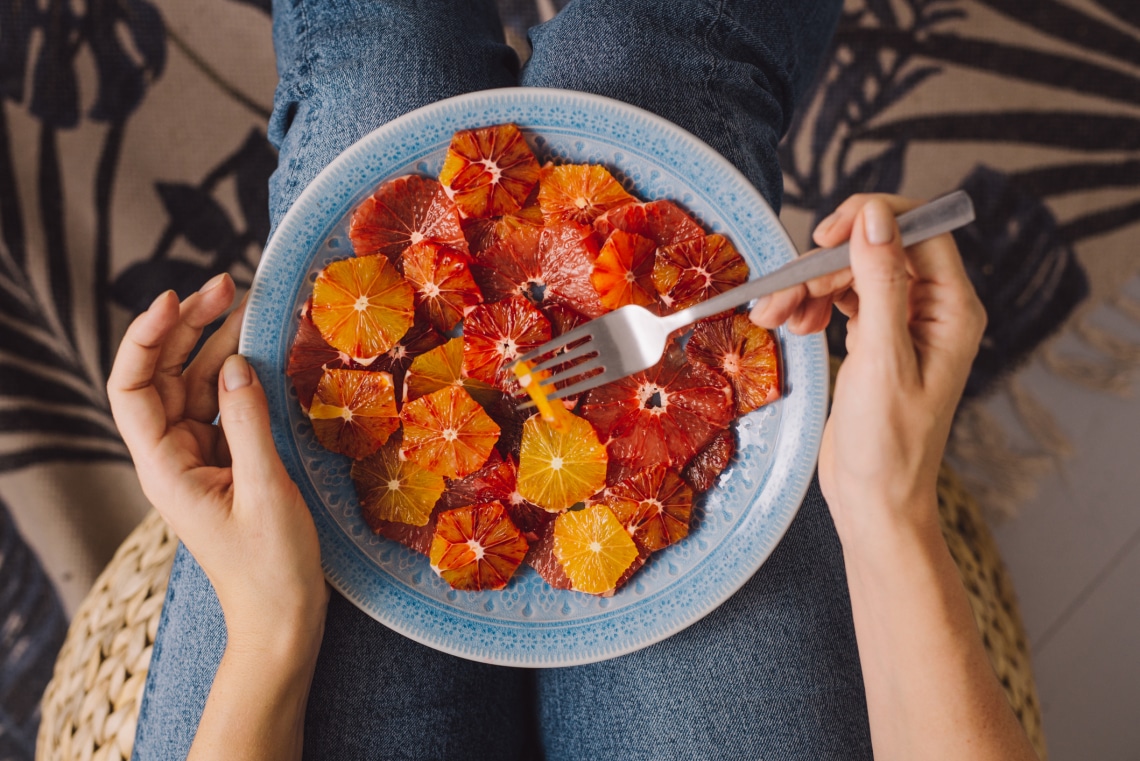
{"points": [[737, 524]]}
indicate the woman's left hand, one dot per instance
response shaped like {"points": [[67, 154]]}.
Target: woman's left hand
{"points": [[223, 489]]}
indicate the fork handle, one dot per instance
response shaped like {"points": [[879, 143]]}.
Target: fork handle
{"points": [[949, 212]]}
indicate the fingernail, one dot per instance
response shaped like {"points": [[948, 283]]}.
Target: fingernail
{"points": [[235, 372], [213, 282], [879, 223], [159, 298]]}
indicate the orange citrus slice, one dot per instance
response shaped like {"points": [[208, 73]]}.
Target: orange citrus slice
{"points": [[393, 489], [690, 272], [623, 272], [489, 171], [309, 357], [447, 432], [494, 334], [662, 416], [593, 547], [354, 411], [420, 339], [510, 266], [663, 222], [560, 466], [744, 353], [402, 212], [445, 290], [435, 369], [477, 547], [567, 251], [362, 306], [484, 232], [654, 505], [579, 192]]}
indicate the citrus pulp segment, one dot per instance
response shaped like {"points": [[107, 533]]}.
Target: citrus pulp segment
{"points": [[692, 271], [362, 306], [477, 547], [579, 192], [393, 489], [593, 548], [743, 352], [494, 334], [489, 171], [623, 272], [560, 466], [354, 411], [402, 212], [309, 356], [654, 505], [662, 416], [444, 287], [447, 432]]}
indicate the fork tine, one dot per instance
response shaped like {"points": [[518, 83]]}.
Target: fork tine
{"points": [[576, 353], [592, 382], [563, 376], [555, 344]]}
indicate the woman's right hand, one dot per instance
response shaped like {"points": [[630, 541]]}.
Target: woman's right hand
{"points": [[913, 330]]}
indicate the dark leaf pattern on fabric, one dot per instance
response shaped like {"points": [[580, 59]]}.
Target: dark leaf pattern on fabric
{"points": [[55, 87], [195, 215], [17, 20]]}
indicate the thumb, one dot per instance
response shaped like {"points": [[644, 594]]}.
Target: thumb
{"points": [[245, 420], [878, 266]]}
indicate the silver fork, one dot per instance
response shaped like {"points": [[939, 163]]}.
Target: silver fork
{"points": [[631, 339]]}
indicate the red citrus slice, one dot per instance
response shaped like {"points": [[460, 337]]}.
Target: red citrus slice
{"points": [[663, 222], [594, 548], [744, 353], [498, 480], [541, 558], [362, 306], [623, 272], [510, 266], [579, 193], [354, 411], [494, 334], [444, 288], [447, 432], [477, 547], [560, 466], [690, 272], [662, 416], [566, 252], [391, 489], [654, 505], [420, 339], [484, 232], [404, 211], [489, 171], [310, 356], [706, 466]]}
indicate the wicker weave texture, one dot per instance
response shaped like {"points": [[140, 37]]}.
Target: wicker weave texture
{"points": [[92, 703]]}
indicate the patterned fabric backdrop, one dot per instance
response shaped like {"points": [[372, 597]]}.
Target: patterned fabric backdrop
{"points": [[133, 159]]}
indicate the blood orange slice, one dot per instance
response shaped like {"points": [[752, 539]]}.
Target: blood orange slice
{"points": [[447, 432], [744, 353], [362, 306], [623, 272], [477, 547], [489, 171], [494, 334], [654, 505], [510, 266], [560, 466], [404, 211], [445, 290], [420, 339], [663, 222], [593, 547], [689, 272], [484, 232], [707, 465], [433, 370], [310, 356], [392, 489], [662, 416], [579, 193], [498, 480], [566, 252], [354, 411]]}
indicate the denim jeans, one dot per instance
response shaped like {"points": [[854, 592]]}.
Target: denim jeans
{"points": [[773, 673]]}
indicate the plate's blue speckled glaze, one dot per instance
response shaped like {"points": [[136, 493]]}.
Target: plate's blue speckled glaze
{"points": [[736, 526]]}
